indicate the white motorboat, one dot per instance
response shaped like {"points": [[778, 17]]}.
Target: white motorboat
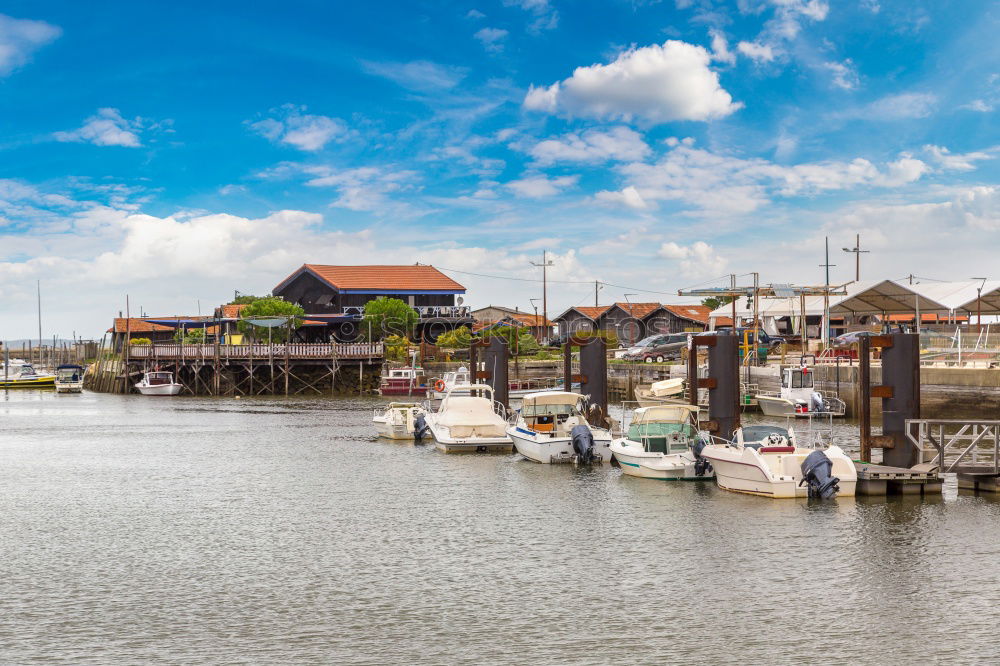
{"points": [[158, 383], [25, 376], [69, 379], [665, 392], [663, 443], [399, 420], [798, 396], [450, 380], [469, 420], [551, 427], [764, 460]]}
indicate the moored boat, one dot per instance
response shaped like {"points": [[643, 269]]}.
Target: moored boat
{"points": [[403, 381], [550, 427], [663, 442], [450, 380], [69, 379], [25, 377], [469, 420], [158, 382], [399, 420], [764, 460], [799, 396]]}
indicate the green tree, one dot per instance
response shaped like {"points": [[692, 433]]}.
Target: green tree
{"points": [[264, 308], [519, 341], [191, 336], [716, 302], [460, 338], [397, 348], [388, 316], [246, 299]]}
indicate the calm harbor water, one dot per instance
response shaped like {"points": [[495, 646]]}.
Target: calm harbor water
{"points": [[211, 531]]}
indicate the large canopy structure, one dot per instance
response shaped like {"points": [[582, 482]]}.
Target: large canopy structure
{"points": [[963, 295]]}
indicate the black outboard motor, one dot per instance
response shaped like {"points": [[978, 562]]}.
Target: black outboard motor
{"points": [[701, 465], [420, 428], [816, 471], [583, 444]]}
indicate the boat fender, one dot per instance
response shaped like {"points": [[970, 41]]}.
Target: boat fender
{"points": [[420, 428], [583, 443], [439, 386], [817, 471]]}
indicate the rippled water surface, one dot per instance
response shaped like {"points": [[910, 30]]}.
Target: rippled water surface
{"points": [[205, 531]]}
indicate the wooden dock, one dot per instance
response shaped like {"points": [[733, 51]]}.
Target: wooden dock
{"points": [[883, 480], [250, 369]]}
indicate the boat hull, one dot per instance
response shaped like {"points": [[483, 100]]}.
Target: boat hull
{"points": [[69, 387], [743, 470], [160, 389], [35, 382], [669, 467], [773, 406], [546, 450], [392, 430]]}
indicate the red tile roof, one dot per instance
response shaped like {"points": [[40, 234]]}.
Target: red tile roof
{"points": [[592, 312], [136, 325], [403, 278], [639, 310], [232, 311], [698, 313], [530, 319], [926, 318]]}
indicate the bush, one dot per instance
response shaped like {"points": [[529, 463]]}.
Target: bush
{"points": [[397, 348], [194, 336], [388, 317], [460, 338], [269, 307], [140, 341]]}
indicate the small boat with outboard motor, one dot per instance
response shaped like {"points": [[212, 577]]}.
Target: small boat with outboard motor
{"points": [[69, 378], [408, 381], [400, 420], [799, 396], [551, 427], [469, 419], [158, 382], [764, 460], [663, 442], [24, 375]]}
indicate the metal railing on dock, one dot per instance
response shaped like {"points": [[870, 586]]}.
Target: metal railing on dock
{"points": [[294, 350], [957, 446]]}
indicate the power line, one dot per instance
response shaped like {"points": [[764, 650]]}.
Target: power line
{"points": [[586, 282]]}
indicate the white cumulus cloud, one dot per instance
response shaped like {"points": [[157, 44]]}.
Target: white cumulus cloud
{"points": [[20, 38], [699, 259], [617, 143], [293, 127], [756, 51], [655, 84], [106, 128], [540, 186], [491, 38]]}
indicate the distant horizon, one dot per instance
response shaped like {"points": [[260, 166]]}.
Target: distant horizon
{"points": [[650, 146]]}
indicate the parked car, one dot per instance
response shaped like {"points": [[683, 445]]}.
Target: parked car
{"points": [[657, 348], [848, 339], [771, 341]]}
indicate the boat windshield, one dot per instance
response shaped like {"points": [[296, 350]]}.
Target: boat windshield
{"points": [[549, 410], [159, 378], [655, 437], [757, 433], [69, 374]]}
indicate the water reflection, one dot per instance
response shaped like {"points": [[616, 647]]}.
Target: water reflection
{"points": [[279, 531]]}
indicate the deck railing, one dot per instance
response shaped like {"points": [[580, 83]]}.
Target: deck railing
{"points": [[295, 350]]}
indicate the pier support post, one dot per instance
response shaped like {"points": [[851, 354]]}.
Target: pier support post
{"points": [[496, 356], [594, 373], [901, 398], [724, 385]]}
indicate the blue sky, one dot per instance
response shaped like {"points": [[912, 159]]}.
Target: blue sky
{"points": [[175, 151]]}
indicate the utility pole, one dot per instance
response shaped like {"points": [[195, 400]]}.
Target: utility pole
{"points": [[979, 304], [597, 287], [825, 337], [38, 285], [538, 326], [857, 251], [732, 285], [545, 291]]}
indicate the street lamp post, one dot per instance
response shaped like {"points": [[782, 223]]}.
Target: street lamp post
{"points": [[631, 316], [979, 303]]}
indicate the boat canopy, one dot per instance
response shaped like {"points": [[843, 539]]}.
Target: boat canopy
{"points": [[70, 366], [551, 398], [665, 414]]}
